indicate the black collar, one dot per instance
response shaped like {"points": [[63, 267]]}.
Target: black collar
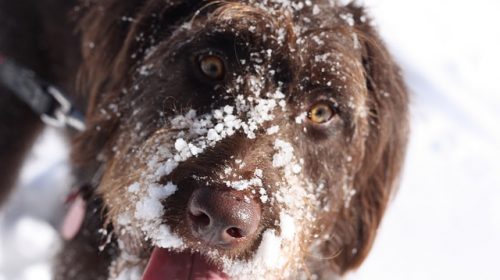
{"points": [[53, 107]]}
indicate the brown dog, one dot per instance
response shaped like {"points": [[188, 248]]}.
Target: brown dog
{"points": [[225, 139]]}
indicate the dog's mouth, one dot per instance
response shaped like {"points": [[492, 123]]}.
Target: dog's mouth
{"points": [[165, 264]]}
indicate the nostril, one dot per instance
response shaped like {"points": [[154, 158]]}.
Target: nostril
{"points": [[199, 218], [235, 232]]}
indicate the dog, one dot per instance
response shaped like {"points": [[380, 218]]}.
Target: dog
{"points": [[224, 139]]}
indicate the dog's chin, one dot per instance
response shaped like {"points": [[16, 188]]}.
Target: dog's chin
{"points": [[165, 264]]}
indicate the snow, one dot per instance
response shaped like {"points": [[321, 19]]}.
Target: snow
{"points": [[316, 10], [444, 223], [149, 209], [167, 238], [284, 153], [269, 249], [27, 248], [268, 256], [263, 195], [301, 118], [28, 240], [244, 184], [180, 144], [287, 226], [273, 130], [134, 188], [258, 173]]}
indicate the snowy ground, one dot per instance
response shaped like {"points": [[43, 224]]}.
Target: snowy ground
{"points": [[445, 221]]}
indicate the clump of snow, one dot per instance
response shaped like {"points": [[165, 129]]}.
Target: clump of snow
{"points": [[162, 192], [180, 144], [263, 195], [151, 207], [148, 209], [134, 188], [284, 153], [273, 130], [296, 168], [145, 70], [267, 257], [316, 10], [287, 226], [301, 118], [167, 239], [258, 173], [348, 18], [269, 250], [244, 184], [124, 219], [148, 212]]}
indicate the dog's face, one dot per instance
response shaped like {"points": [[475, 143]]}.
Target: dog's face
{"points": [[248, 143]]}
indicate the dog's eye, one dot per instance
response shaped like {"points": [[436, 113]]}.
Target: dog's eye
{"points": [[212, 66], [321, 112]]}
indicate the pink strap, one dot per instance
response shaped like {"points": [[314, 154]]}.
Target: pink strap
{"points": [[74, 219]]}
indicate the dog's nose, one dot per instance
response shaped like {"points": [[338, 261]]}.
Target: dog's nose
{"points": [[224, 218]]}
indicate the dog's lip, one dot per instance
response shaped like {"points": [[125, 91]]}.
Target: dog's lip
{"points": [[165, 264]]}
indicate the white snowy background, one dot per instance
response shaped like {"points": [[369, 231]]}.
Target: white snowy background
{"points": [[444, 222]]}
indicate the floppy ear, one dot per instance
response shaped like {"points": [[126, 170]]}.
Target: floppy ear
{"points": [[356, 226], [111, 45]]}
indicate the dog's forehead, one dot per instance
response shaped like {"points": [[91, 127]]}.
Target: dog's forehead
{"points": [[317, 38], [285, 21]]}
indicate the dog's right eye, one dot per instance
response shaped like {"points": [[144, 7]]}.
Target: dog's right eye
{"points": [[321, 112], [212, 66]]}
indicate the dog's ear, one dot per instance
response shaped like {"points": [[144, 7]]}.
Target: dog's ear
{"points": [[356, 226], [111, 45]]}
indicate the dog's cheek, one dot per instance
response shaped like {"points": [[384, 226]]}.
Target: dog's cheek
{"points": [[333, 173], [123, 186], [119, 202]]}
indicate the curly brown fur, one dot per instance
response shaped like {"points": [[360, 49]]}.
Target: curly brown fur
{"points": [[138, 79]]}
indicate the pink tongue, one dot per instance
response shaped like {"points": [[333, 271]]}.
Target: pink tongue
{"points": [[165, 265]]}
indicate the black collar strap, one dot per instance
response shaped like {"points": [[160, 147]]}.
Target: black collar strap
{"points": [[53, 107]]}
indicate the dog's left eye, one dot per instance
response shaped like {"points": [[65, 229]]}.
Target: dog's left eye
{"points": [[321, 112], [212, 66]]}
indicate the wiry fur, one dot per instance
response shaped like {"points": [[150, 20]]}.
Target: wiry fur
{"points": [[129, 114]]}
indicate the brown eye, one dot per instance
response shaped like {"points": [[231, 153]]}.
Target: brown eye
{"points": [[321, 112], [212, 66]]}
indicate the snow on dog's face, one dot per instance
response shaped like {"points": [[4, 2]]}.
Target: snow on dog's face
{"points": [[239, 144]]}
